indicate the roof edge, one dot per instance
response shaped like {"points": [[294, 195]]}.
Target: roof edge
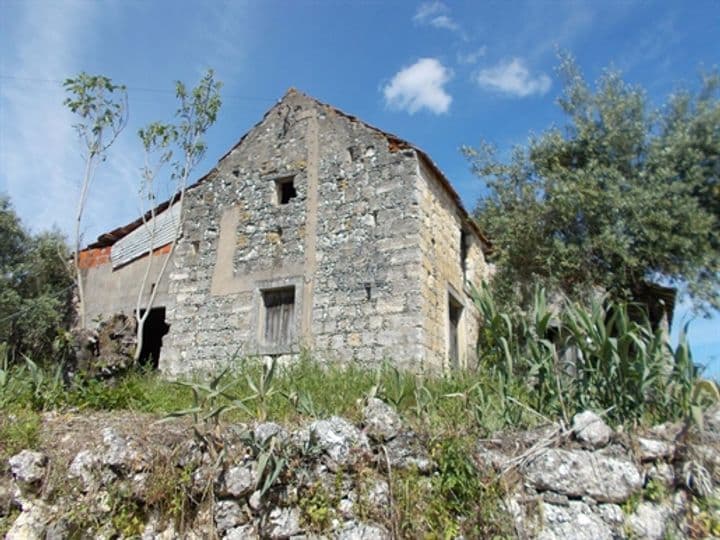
{"points": [[395, 144]]}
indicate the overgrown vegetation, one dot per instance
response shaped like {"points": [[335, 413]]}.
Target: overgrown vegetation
{"points": [[534, 366], [35, 288]]}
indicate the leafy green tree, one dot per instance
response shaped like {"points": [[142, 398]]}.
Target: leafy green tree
{"points": [[35, 287], [624, 195], [101, 107]]}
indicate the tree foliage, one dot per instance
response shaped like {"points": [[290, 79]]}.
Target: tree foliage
{"points": [[624, 195], [35, 287]]}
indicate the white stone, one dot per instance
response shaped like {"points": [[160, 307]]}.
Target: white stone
{"points": [[228, 514], [283, 523], [28, 467], [653, 449], [591, 430], [576, 521], [582, 473], [239, 481], [353, 530], [337, 438], [382, 422], [649, 521]]}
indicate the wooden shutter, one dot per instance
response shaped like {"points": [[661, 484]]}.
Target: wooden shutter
{"points": [[279, 316]]}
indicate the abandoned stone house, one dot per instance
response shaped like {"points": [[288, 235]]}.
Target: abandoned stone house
{"points": [[315, 230]]}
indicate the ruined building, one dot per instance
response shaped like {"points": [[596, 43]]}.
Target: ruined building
{"points": [[315, 230]]}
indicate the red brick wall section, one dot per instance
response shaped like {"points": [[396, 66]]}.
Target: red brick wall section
{"points": [[90, 258]]}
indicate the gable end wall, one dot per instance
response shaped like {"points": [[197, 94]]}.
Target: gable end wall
{"points": [[348, 243]]}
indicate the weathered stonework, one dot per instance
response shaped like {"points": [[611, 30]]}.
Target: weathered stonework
{"points": [[369, 238]]}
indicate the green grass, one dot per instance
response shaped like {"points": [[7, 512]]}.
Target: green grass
{"points": [[623, 367], [19, 429]]}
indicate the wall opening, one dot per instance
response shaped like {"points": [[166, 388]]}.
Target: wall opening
{"points": [[154, 330], [454, 314], [279, 316], [285, 190], [464, 240]]}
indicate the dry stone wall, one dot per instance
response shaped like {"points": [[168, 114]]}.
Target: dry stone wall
{"points": [[122, 476]]}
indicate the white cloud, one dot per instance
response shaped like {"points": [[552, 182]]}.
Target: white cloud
{"points": [[434, 14], [472, 57], [419, 86], [443, 21], [513, 78], [427, 10]]}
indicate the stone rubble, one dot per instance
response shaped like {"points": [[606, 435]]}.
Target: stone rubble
{"points": [[638, 486]]}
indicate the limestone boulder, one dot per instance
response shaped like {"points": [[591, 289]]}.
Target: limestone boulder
{"points": [[238, 481], [654, 449], [354, 530], [649, 521], [28, 468], [282, 523], [584, 474], [228, 515]]}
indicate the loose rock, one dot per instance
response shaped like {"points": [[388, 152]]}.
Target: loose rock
{"points": [[228, 514], [575, 520], [382, 422], [238, 481], [649, 521], [591, 430], [337, 438], [653, 449], [362, 531], [582, 473], [28, 467], [283, 523]]}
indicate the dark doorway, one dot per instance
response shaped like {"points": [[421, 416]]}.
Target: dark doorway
{"points": [[153, 331]]}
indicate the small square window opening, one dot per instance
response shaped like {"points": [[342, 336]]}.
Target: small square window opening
{"points": [[285, 190]]}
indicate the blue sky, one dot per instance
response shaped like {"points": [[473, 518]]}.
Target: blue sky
{"points": [[439, 74]]}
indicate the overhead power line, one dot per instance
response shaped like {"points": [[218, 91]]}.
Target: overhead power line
{"points": [[134, 88]]}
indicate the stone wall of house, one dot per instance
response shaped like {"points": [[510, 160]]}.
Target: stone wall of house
{"points": [[347, 243], [443, 278]]}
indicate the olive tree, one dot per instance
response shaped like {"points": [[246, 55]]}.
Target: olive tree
{"points": [[623, 195]]}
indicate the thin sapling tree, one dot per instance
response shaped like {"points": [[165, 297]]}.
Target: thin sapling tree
{"points": [[182, 146], [102, 108]]}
